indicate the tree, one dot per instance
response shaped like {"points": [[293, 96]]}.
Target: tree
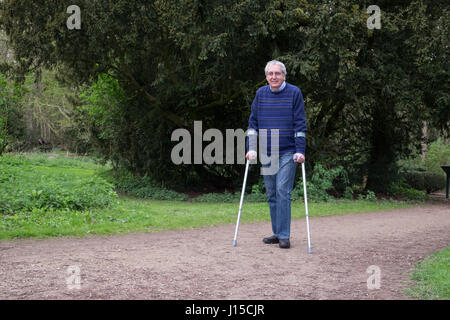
{"points": [[366, 87], [11, 122], [367, 92]]}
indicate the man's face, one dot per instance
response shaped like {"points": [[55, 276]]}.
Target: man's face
{"points": [[275, 77]]}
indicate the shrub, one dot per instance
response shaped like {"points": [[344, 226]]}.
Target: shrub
{"points": [[142, 187], [425, 181], [348, 193], [322, 182], [12, 125], [369, 196], [433, 182], [24, 187], [218, 197], [404, 191], [3, 134], [438, 154], [257, 194]]}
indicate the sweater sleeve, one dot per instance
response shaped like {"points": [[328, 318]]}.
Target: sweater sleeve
{"points": [[300, 127], [252, 132]]}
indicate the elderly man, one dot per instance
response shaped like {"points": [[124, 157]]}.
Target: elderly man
{"points": [[278, 108]]}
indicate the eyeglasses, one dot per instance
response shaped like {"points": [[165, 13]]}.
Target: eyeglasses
{"points": [[270, 74]]}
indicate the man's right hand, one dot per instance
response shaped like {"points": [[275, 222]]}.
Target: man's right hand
{"points": [[251, 155]]}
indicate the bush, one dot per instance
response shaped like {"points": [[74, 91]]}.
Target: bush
{"points": [[3, 134], [24, 187], [218, 197], [143, 187], [438, 154], [323, 182], [433, 182], [404, 191], [368, 196], [348, 193], [12, 125], [257, 194], [425, 181]]}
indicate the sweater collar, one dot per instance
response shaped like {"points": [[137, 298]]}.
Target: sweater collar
{"points": [[280, 89]]}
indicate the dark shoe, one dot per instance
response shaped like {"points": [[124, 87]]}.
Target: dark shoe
{"points": [[270, 240], [284, 243]]}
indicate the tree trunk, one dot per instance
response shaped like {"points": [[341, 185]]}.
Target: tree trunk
{"points": [[424, 141]]}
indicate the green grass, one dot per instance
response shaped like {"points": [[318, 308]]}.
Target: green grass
{"points": [[138, 215], [46, 195], [25, 186], [432, 277], [57, 159]]}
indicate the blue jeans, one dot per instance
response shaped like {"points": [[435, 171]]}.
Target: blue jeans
{"points": [[278, 188]]}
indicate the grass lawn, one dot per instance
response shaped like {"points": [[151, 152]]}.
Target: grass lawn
{"points": [[65, 179], [432, 277], [138, 215]]}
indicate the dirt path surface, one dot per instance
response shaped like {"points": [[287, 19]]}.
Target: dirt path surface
{"points": [[203, 264]]}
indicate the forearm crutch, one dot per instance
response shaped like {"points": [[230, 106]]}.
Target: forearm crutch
{"points": [[241, 202], [306, 207]]}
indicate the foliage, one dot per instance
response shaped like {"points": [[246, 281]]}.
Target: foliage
{"points": [[426, 176], [369, 196], [102, 109], [141, 187], [402, 190], [11, 124], [24, 187], [323, 182], [367, 92], [218, 197], [40, 107], [60, 159], [348, 193], [48, 109], [425, 181], [438, 154], [3, 134], [256, 194]]}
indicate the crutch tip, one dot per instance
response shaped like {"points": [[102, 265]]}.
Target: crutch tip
{"points": [[309, 250], [234, 243]]}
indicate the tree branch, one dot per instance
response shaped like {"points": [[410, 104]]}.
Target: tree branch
{"points": [[153, 100], [222, 102]]}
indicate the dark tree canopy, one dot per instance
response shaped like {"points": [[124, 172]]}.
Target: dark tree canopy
{"points": [[367, 92]]}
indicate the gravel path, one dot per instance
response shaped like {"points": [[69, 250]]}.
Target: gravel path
{"points": [[203, 264]]}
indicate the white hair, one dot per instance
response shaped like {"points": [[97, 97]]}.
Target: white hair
{"points": [[276, 62]]}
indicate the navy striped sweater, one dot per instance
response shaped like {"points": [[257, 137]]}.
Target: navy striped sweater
{"points": [[283, 110]]}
